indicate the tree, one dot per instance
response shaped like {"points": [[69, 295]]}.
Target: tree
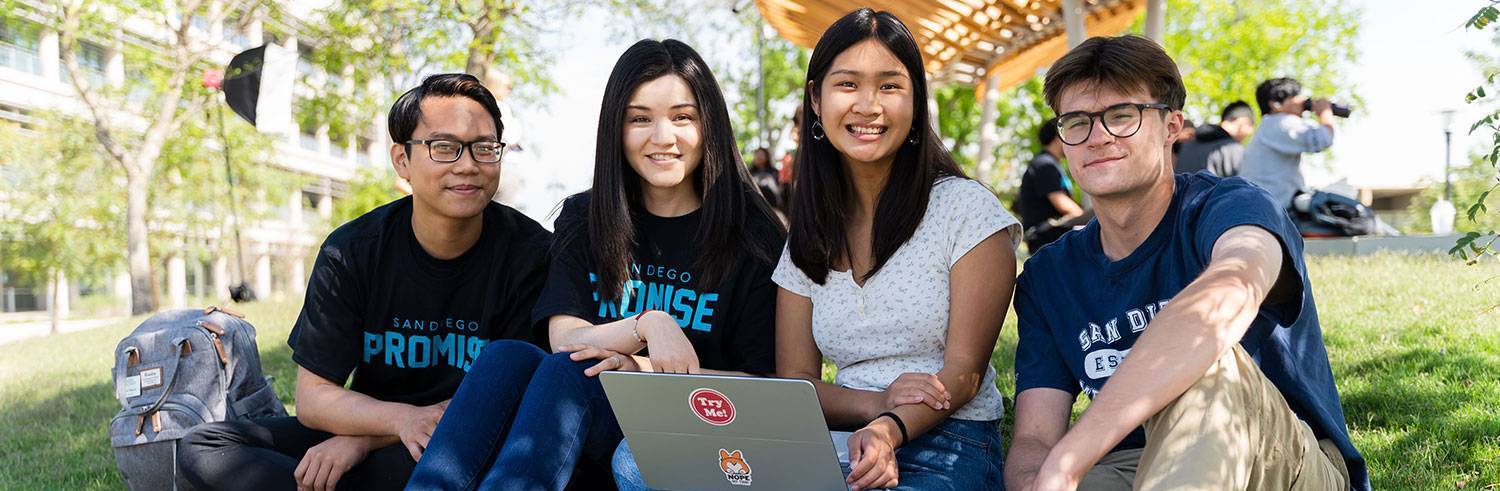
{"points": [[766, 91], [1473, 245], [1020, 111], [129, 134], [1470, 183], [192, 183], [1225, 48], [52, 222], [370, 188]]}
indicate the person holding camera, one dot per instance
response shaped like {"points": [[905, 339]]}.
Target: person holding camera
{"points": [[1273, 160]]}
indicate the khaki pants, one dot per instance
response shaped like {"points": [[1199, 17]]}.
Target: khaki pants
{"points": [[1230, 430]]}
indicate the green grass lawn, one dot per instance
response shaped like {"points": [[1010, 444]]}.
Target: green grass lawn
{"points": [[1413, 340]]}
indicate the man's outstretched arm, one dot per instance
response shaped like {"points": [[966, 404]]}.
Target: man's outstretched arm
{"points": [[1201, 324]]}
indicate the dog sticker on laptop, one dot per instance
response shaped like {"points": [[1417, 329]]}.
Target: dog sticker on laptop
{"points": [[736, 468], [711, 406]]}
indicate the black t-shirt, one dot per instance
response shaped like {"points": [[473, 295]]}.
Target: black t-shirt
{"points": [[408, 325], [731, 325], [1044, 175]]}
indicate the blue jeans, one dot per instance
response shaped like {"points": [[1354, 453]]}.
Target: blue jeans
{"points": [[511, 427], [956, 455]]}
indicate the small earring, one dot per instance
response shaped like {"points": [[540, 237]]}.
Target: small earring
{"points": [[913, 139], [817, 131]]}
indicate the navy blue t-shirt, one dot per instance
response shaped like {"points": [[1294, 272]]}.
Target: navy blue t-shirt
{"points": [[1080, 313]]}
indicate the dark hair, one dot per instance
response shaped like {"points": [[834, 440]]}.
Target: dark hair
{"points": [[1275, 90], [1047, 133], [730, 202], [407, 111], [756, 161], [820, 205], [1124, 63], [1236, 110]]}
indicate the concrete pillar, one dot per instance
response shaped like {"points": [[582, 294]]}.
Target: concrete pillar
{"points": [[988, 137], [200, 284], [325, 205], [60, 302], [177, 282], [325, 144], [296, 280], [932, 110], [114, 68], [221, 279], [263, 276], [255, 31], [216, 29], [48, 51], [1156, 19], [120, 287], [1073, 22], [294, 208]]}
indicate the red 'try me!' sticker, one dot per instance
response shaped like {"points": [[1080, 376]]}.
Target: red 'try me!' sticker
{"points": [[711, 407]]}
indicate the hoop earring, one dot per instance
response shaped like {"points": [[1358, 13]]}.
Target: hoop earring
{"points": [[817, 131]]}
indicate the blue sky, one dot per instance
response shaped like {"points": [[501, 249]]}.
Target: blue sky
{"points": [[1410, 67]]}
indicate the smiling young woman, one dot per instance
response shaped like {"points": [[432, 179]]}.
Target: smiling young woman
{"points": [[909, 263], [672, 209]]}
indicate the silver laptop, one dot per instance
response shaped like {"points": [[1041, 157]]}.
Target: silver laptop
{"points": [[705, 432]]}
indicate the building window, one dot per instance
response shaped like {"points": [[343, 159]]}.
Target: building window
{"points": [[305, 69], [139, 92], [362, 152], [92, 59], [18, 46], [233, 34], [309, 141]]}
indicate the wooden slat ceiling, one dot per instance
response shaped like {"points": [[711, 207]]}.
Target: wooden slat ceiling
{"points": [[962, 40]]}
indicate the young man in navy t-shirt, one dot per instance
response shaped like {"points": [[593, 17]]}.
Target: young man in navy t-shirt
{"points": [[1183, 310]]}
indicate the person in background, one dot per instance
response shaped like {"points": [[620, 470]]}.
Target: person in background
{"points": [[1219, 148], [766, 177], [789, 160], [1045, 198], [1273, 160], [1188, 130]]}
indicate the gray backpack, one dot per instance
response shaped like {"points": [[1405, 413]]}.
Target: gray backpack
{"points": [[177, 370]]}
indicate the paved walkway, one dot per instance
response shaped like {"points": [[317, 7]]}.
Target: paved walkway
{"points": [[11, 332]]}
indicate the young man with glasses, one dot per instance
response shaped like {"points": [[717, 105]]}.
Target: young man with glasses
{"points": [[404, 299], [1183, 310]]}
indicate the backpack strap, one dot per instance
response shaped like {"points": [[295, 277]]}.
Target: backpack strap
{"points": [[215, 308]]}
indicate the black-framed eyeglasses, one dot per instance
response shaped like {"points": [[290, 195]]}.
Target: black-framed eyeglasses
{"points": [[1120, 120], [448, 151]]}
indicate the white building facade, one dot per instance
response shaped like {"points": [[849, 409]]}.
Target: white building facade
{"points": [[277, 252]]}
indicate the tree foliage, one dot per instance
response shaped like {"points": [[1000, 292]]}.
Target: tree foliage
{"points": [[53, 219], [1480, 239], [1225, 48], [370, 188]]}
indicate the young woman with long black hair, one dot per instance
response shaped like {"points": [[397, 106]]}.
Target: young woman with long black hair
{"points": [[671, 248], [898, 269]]}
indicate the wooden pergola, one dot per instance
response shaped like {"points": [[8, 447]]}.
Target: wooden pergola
{"points": [[989, 44]]}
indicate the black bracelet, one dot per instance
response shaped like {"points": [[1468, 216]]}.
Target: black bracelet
{"points": [[901, 425]]}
